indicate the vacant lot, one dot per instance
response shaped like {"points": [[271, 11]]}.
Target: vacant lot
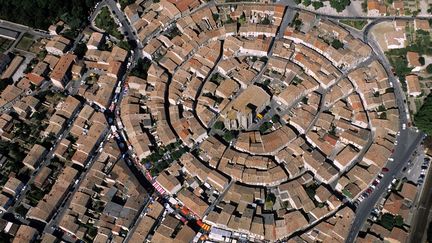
{"points": [[5, 44], [25, 42], [358, 24]]}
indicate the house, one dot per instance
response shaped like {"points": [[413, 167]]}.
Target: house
{"points": [[5, 202], [413, 85], [57, 45], [34, 156], [13, 186], [96, 39], [61, 73], [397, 235], [13, 66], [168, 182], [239, 114], [25, 234], [376, 8], [413, 59], [194, 203], [41, 177], [421, 24], [395, 39]]}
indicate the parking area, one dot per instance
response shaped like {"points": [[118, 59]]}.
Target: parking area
{"points": [[417, 168]]}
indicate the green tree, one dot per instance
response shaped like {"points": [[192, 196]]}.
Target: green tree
{"points": [[307, 2], [398, 221], [42, 13], [339, 5], [423, 118], [429, 232], [228, 136], [105, 21], [141, 68], [124, 45], [265, 126], [266, 20], [219, 125], [80, 50], [421, 60], [276, 118], [337, 44], [124, 3], [317, 4], [429, 68], [387, 221]]}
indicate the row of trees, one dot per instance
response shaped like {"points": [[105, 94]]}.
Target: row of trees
{"points": [[423, 118], [339, 5]]}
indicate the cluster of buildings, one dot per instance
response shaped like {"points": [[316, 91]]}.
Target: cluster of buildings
{"points": [[225, 64], [398, 204], [398, 8], [95, 202], [333, 101], [107, 201]]}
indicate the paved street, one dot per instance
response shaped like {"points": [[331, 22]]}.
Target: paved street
{"points": [[401, 155], [66, 201], [46, 159], [408, 140], [422, 210]]}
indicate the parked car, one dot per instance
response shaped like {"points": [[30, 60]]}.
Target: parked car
{"points": [[420, 182], [385, 169]]}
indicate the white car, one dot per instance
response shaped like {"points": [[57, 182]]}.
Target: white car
{"points": [[403, 126], [391, 159]]}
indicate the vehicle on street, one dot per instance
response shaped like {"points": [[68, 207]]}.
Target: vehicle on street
{"points": [[385, 169]]}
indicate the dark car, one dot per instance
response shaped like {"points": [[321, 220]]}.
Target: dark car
{"points": [[385, 169]]}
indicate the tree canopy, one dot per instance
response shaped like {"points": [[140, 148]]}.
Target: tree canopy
{"points": [[423, 118], [339, 5], [42, 13]]}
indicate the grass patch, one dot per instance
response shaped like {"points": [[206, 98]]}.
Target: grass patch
{"points": [[347, 193], [358, 24], [265, 126], [25, 42], [105, 21]]}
